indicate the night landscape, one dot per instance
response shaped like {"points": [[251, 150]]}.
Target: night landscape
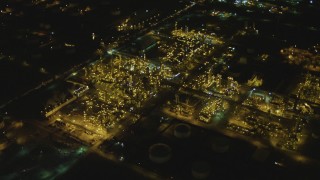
{"points": [[160, 89]]}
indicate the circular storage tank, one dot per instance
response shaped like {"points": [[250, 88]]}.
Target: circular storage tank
{"points": [[160, 153], [220, 145], [201, 170], [315, 129], [116, 12], [316, 135], [182, 130]]}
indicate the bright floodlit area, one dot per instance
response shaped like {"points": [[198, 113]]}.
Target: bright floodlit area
{"points": [[170, 89]]}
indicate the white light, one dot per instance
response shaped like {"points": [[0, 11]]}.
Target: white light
{"points": [[93, 36]]}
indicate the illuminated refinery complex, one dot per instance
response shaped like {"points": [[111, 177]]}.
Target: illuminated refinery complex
{"points": [[205, 89]]}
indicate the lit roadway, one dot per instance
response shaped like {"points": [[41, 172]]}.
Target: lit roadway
{"points": [[140, 170]]}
